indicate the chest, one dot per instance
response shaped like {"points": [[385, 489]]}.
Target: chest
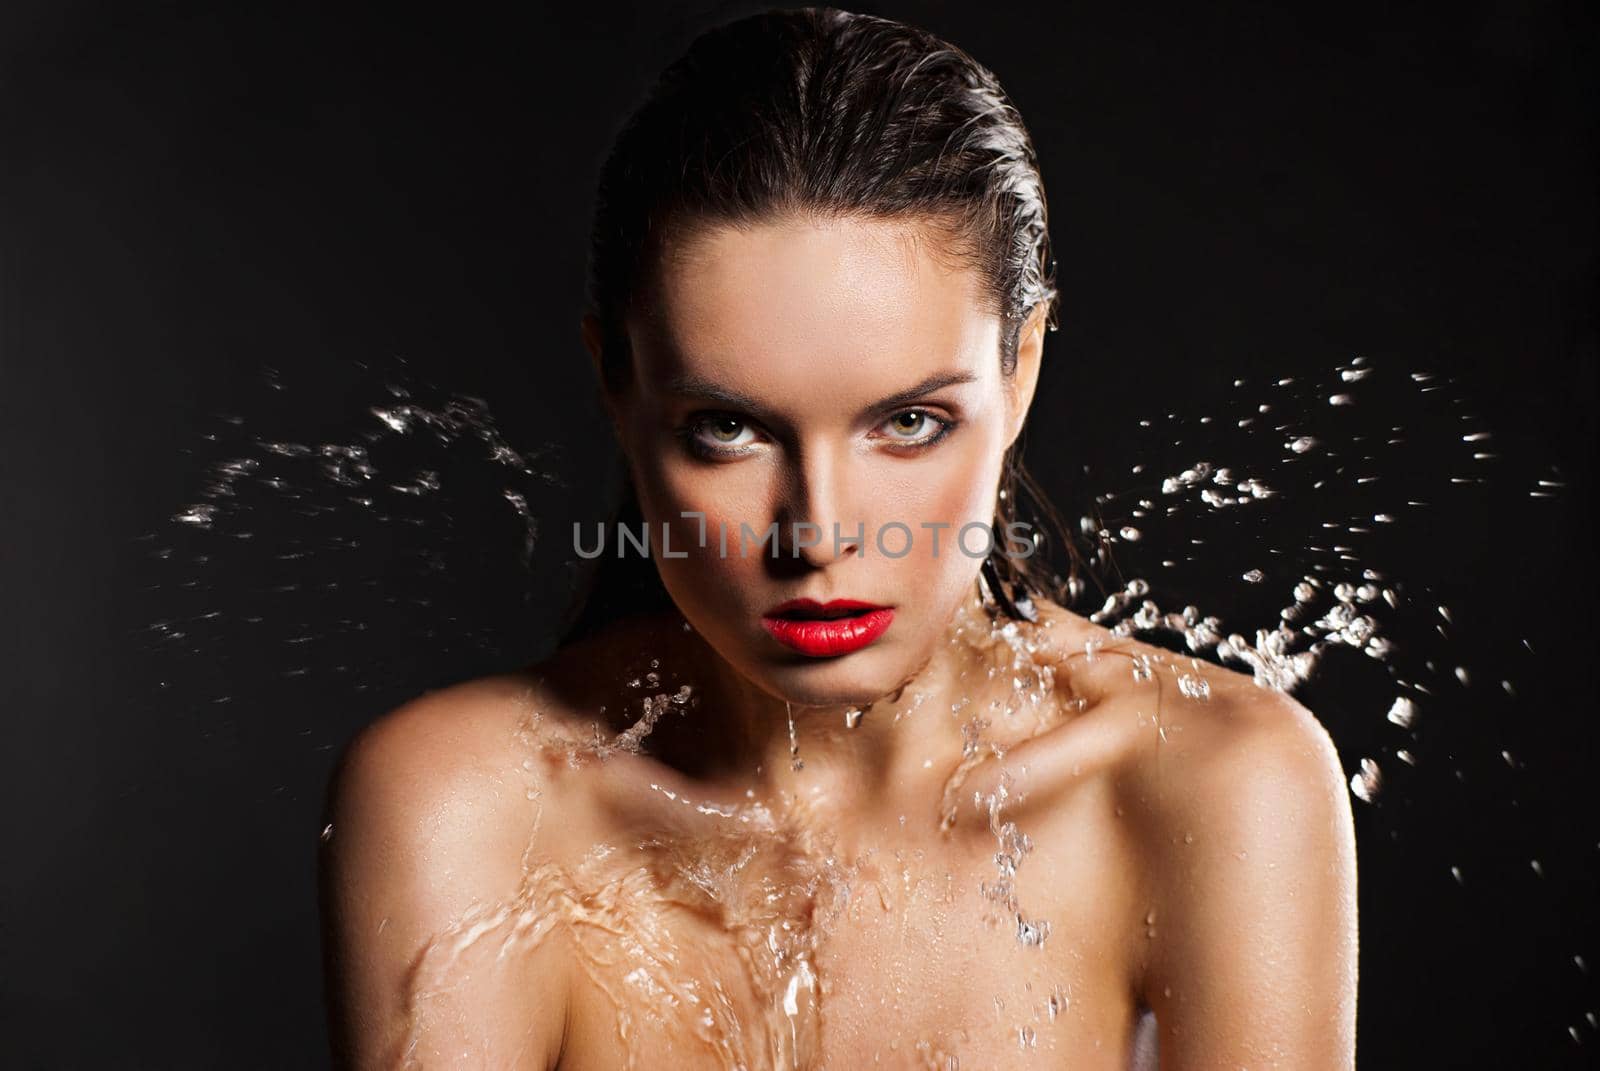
{"points": [[966, 951]]}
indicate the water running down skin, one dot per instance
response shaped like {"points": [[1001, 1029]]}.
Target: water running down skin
{"points": [[517, 882]]}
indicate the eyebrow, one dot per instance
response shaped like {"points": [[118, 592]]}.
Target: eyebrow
{"points": [[695, 387]]}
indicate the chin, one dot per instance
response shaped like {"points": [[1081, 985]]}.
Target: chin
{"points": [[855, 680]]}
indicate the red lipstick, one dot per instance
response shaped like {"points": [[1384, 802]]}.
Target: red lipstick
{"points": [[825, 629]]}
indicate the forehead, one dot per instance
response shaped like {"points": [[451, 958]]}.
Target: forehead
{"points": [[801, 306]]}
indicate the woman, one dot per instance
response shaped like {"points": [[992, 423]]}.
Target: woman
{"points": [[854, 790]]}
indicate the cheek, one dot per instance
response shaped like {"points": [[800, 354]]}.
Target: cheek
{"points": [[954, 486], [670, 484], [722, 498]]}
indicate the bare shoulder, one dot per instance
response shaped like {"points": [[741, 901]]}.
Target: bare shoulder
{"points": [[449, 745], [1236, 802], [438, 810], [461, 778], [1181, 731], [472, 751], [1222, 749], [441, 776]]}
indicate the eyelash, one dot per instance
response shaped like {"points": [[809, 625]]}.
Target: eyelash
{"points": [[689, 432]]}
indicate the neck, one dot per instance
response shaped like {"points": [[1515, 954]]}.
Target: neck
{"points": [[851, 755]]}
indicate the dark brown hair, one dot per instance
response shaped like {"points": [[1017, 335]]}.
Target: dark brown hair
{"points": [[829, 113]]}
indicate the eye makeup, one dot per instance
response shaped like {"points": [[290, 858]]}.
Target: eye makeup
{"points": [[698, 433]]}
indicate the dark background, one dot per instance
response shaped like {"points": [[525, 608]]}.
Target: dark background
{"points": [[211, 212]]}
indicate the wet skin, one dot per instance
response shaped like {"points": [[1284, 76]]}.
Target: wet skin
{"points": [[508, 887]]}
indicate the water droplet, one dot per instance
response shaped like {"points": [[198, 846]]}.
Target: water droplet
{"points": [[1403, 712], [795, 762], [327, 833], [852, 718], [1365, 785], [1255, 576], [198, 516], [1032, 934], [1194, 687]]}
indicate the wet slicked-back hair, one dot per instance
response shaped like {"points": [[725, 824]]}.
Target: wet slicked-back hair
{"points": [[823, 113]]}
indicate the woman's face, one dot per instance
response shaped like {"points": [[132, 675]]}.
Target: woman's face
{"points": [[835, 372]]}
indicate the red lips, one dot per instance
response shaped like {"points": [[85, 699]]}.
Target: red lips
{"points": [[799, 624]]}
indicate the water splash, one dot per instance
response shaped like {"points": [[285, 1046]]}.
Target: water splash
{"points": [[307, 537], [1324, 610], [455, 420]]}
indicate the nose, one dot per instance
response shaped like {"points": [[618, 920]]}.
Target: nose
{"points": [[820, 497]]}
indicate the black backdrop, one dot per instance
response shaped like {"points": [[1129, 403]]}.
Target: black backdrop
{"points": [[210, 213]]}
